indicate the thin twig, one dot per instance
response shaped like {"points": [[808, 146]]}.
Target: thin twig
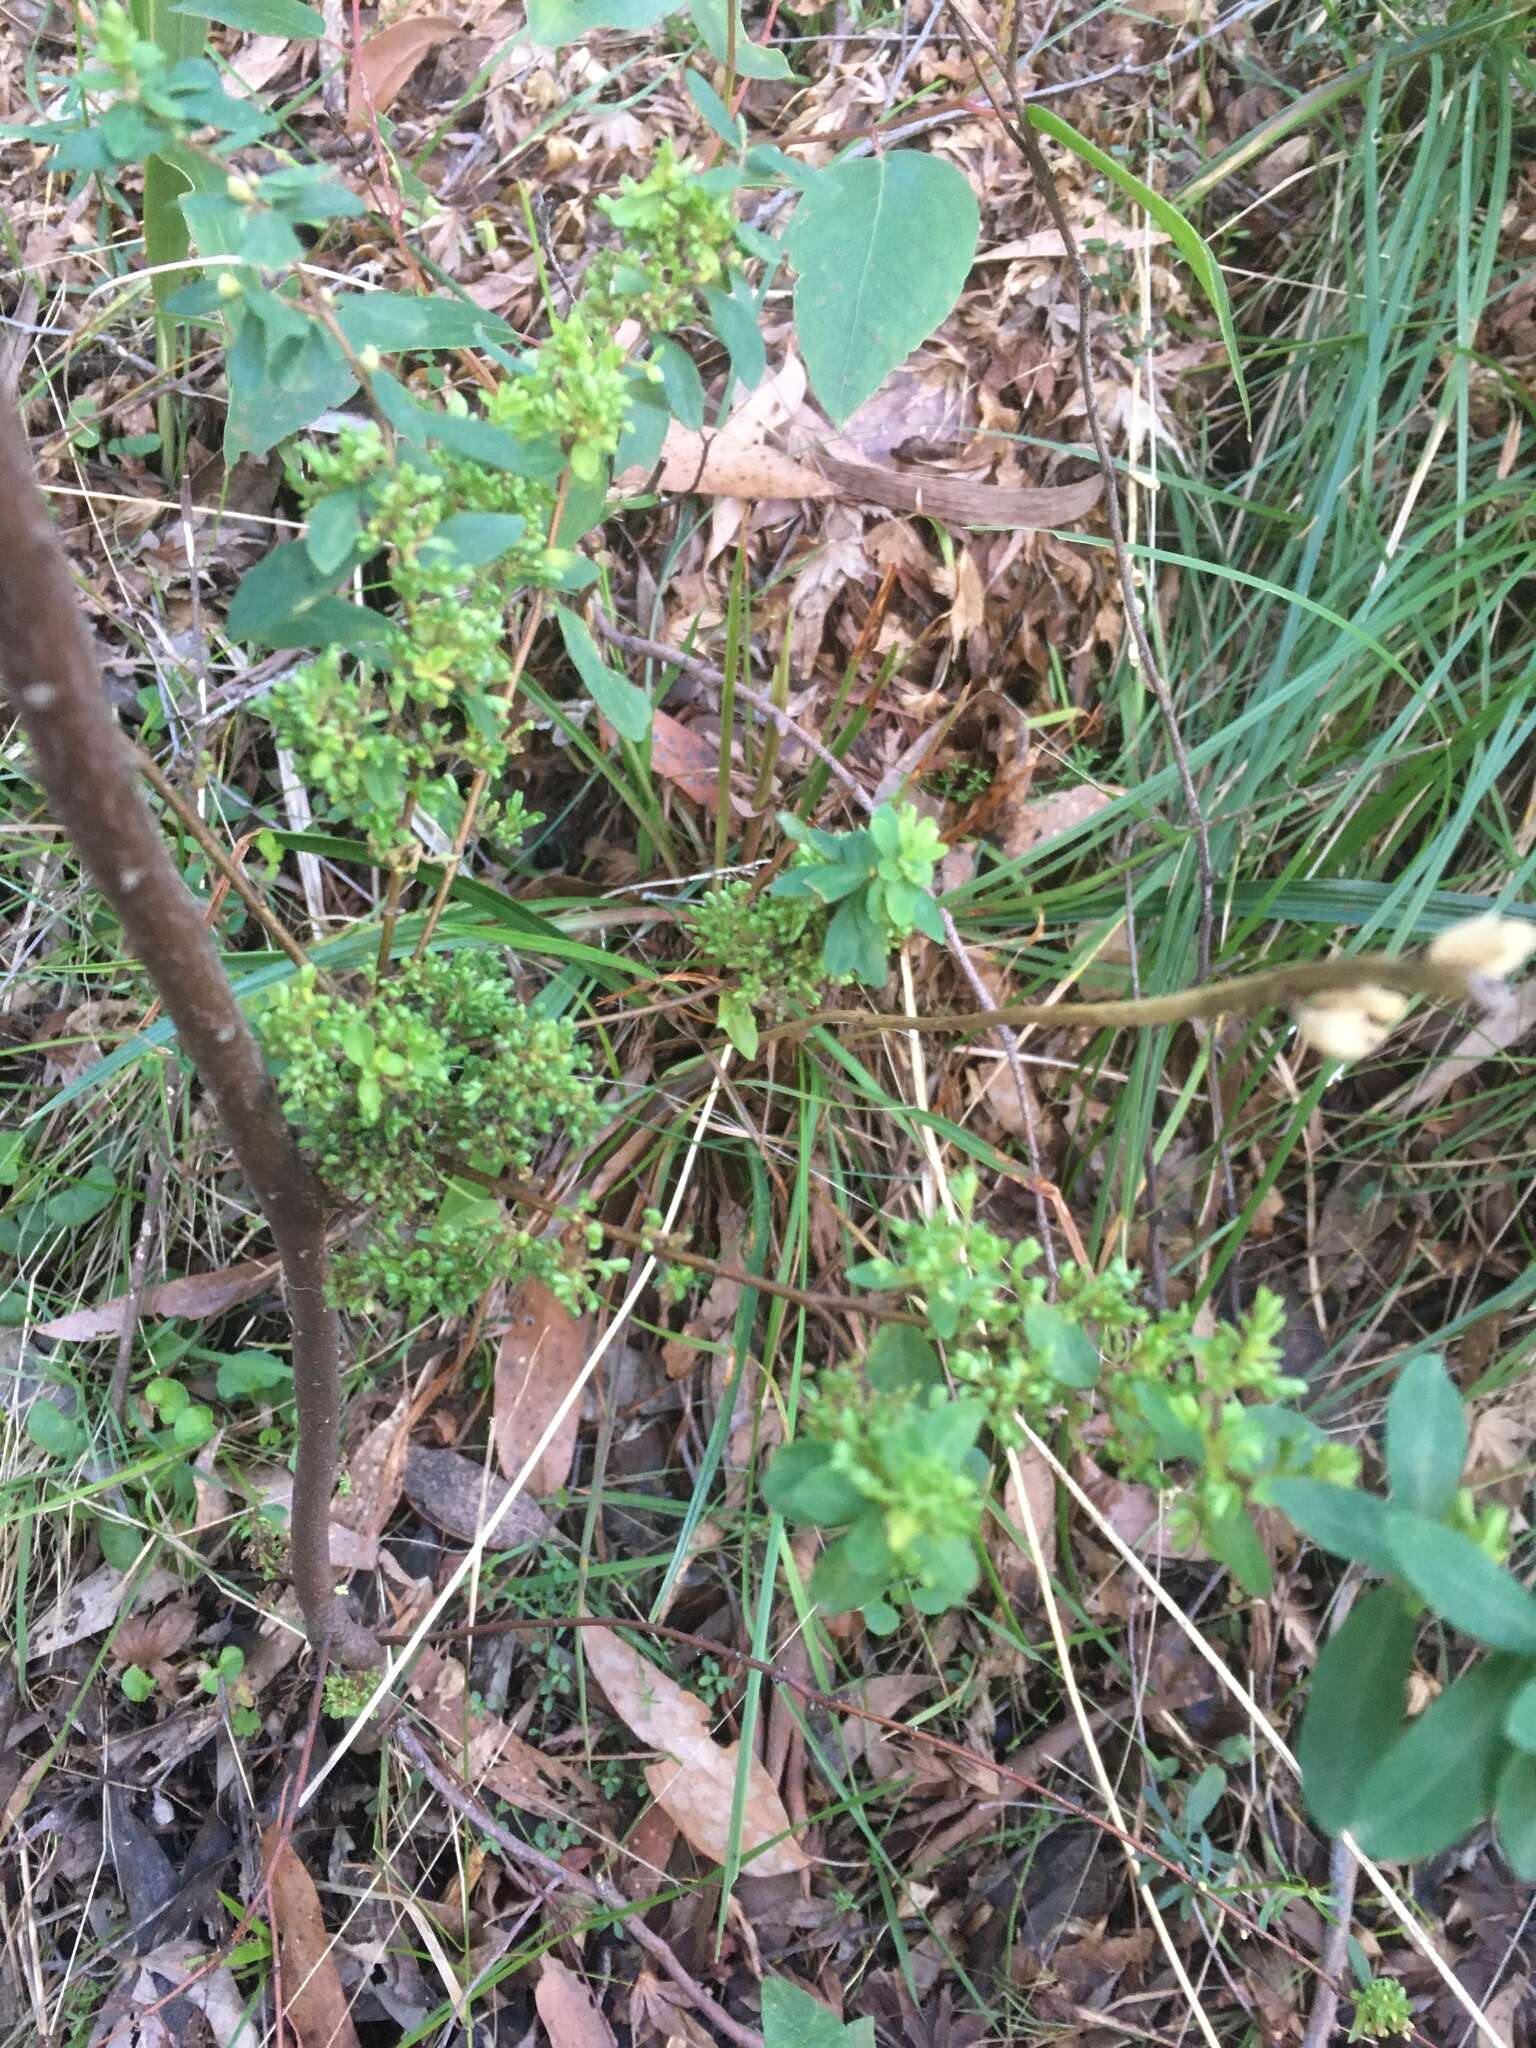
{"points": [[458, 1795], [1343, 1872], [138, 1275]]}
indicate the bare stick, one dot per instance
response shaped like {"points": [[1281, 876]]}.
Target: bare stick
{"points": [[463, 1801], [88, 773]]}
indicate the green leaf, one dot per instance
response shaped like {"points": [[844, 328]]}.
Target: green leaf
{"points": [[1339, 1519], [53, 1431], [1426, 1438], [553, 22], [1520, 1723], [901, 1357], [882, 247], [1462, 1584], [279, 389], [734, 315], [193, 1426], [843, 1579], [681, 382], [479, 538], [752, 60], [1436, 1779], [13, 1156], [1356, 1704], [1185, 237], [120, 1543], [274, 590], [137, 1684], [738, 1020], [335, 524], [464, 434], [801, 1483], [1233, 1541], [854, 945], [731, 128], [289, 18], [245, 1374], [793, 2019], [1065, 1348], [1203, 1797], [1514, 1815], [625, 706], [395, 320]]}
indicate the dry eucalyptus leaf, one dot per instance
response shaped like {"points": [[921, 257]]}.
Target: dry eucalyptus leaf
{"points": [[539, 1360], [571, 2016], [388, 61], [314, 2002], [376, 1470], [698, 1784], [721, 465], [461, 1498], [91, 1606], [197, 1295], [493, 1755]]}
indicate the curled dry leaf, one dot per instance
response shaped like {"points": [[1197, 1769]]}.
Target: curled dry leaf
{"points": [[91, 1606], [698, 1782], [195, 1296], [539, 1360], [313, 1999], [723, 465], [376, 1470], [152, 1640], [571, 2016], [388, 61]]}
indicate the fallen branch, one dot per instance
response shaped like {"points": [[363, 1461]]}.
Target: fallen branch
{"points": [[87, 770]]}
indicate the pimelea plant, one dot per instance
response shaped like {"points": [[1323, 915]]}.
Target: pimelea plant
{"points": [[442, 1067], [880, 876]]}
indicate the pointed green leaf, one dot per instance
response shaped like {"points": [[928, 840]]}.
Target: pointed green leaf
{"points": [[1514, 1814], [882, 247], [626, 707], [1339, 1519], [1463, 1584], [739, 1022], [1520, 1722], [793, 2019]]}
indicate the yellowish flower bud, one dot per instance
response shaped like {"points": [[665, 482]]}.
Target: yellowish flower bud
{"points": [[1489, 944], [369, 359], [1381, 1005], [241, 190], [1340, 1027], [229, 286]]}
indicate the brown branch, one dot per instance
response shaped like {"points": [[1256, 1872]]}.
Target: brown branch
{"points": [[88, 772]]}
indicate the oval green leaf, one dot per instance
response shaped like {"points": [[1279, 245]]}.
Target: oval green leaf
{"points": [[1514, 1815], [1356, 1705], [625, 706], [1435, 1781], [1426, 1438], [1340, 1519]]}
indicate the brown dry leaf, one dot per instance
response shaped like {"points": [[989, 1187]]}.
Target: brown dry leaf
{"points": [[315, 2004], [376, 1470], [89, 1607], [198, 1295], [1047, 817], [958, 499], [697, 1786], [151, 1640], [259, 60], [388, 60], [540, 1360], [461, 1497], [691, 759], [495, 1757], [1015, 1563], [572, 2017], [723, 465]]}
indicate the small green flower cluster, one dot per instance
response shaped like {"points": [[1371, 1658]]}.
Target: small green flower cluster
{"points": [[1382, 2011], [444, 1065], [575, 392], [677, 229], [770, 946]]}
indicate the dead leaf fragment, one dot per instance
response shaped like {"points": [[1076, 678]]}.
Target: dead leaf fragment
{"points": [[571, 2016], [388, 61], [722, 465], [539, 1361], [697, 1785], [313, 1999], [461, 1497], [197, 1295], [493, 1755]]}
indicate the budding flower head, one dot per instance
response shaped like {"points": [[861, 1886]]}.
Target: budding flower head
{"points": [[1489, 944], [229, 286], [240, 189], [369, 359]]}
